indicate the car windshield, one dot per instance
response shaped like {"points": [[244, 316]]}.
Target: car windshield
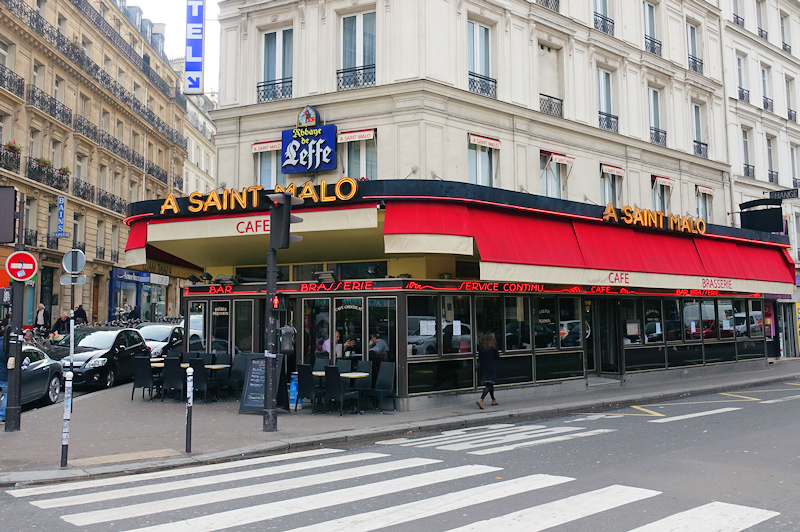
{"points": [[91, 339], [155, 333]]}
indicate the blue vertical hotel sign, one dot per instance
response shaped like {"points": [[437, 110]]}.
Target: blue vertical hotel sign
{"points": [[195, 37]]}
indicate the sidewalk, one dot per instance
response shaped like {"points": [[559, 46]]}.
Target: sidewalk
{"points": [[110, 434]]}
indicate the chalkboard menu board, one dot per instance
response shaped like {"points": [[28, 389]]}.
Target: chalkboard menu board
{"points": [[253, 390]]}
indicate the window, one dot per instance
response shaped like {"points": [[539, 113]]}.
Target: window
{"points": [[691, 38], [785, 25], [789, 97], [604, 91], [740, 72], [278, 50], [84, 105], [765, 75], [37, 79], [120, 130], [362, 159], [550, 176], [358, 51], [630, 313], [650, 20], [769, 153], [703, 205], [478, 49], [61, 24], [79, 226], [793, 156], [55, 154], [3, 54], [41, 7], [482, 165], [80, 167], [657, 134], [101, 234], [745, 147], [114, 238], [697, 123], [760, 8], [58, 89], [102, 178], [661, 196], [86, 44], [2, 126], [121, 77], [52, 218], [610, 188], [269, 170]]}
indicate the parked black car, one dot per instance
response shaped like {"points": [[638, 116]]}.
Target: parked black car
{"points": [[163, 339], [41, 376], [103, 355]]}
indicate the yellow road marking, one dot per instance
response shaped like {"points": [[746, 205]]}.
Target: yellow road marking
{"points": [[741, 396], [643, 409]]}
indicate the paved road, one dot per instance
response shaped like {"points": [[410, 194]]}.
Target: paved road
{"points": [[723, 462]]}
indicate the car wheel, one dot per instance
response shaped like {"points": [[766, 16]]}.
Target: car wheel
{"points": [[430, 350], [111, 378], [53, 390]]}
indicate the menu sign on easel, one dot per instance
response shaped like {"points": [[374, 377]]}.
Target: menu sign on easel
{"points": [[252, 399]]}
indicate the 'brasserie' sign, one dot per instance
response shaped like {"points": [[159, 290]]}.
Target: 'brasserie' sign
{"points": [[308, 147]]}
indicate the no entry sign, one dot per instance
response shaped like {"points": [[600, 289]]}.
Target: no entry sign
{"points": [[21, 266]]}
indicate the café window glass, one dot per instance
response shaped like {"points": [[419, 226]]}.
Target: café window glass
{"points": [[456, 324], [382, 322], [345, 271], [631, 318], [316, 329], [569, 325], [197, 326], [756, 319], [710, 322], [517, 323], [220, 326], [673, 328], [489, 315], [305, 272], [691, 320], [243, 326], [348, 319], [423, 338], [740, 328], [653, 325], [726, 318], [545, 332]]}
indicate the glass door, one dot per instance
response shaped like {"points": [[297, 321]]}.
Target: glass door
{"points": [[316, 330], [602, 339]]}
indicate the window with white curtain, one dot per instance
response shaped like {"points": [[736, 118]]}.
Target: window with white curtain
{"points": [[661, 196], [655, 107], [769, 153], [610, 188], [793, 155], [550, 177], [604, 103], [361, 159], [478, 52], [697, 123], [482, 164], [691, 38], [269, 170], [278, 46], [650, 20], [703, 205], [358, 40]]}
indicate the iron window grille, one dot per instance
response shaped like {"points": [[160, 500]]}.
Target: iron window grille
{"points": [[52, 242], [47, 175], [792, 115], [355, 78], [609, 122], [83, 190], [744, 95], [100, 253], [749, 170], [551, 106], [12, 82], [483, 85], [652, 45], [769, 105], [604, 24], [695, 64], [31, 237], [739, 21], [48, 105], [114, 256], [658, 137], [787, 48], [701, 149], [9, 160], [270, 91], [552, 5], [772, 176], [763, 34]]}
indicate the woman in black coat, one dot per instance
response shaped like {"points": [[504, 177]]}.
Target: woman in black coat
{"points": [[489, 356]]}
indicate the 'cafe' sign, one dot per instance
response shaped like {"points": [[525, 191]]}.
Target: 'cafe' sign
{"points": [[308, 147]]}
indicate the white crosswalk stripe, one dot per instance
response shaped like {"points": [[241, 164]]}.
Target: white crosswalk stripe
{"points": [[209, 498]]}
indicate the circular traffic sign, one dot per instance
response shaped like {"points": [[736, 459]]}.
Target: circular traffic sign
{"points": [[21, 266], [80, 261]]}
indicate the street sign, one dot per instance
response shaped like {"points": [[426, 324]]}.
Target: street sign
{"points": [[80, 261], [67, 280], [195, 37], [21, 266], [784, 194], [62, 202]]}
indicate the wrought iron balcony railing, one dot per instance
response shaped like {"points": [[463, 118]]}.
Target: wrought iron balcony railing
{"points": [[658, 136], [177, 95], [609, 122], [795, 182], [483, 85], [279, 89], [9, 160], [739, 21], [772, 176], [12, 82], [100, 253], [137, 159], [47, 175], [83, 190], [787, 48], [49, 105], [769, 105], [79, 245], [110, 201], [114, 256], [792, 115], [31, 237], [355, 78], [83, 127], [604, 24], [552, 5], [695, 64], [52, 242], [763, 34], [744, 95], [701, 149], [177, 182], [115, 146], [749, 170], [652, 45], [201, 127], [551, 106], [156, 171]]}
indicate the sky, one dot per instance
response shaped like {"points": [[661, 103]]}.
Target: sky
{"points": [[173, 14]]}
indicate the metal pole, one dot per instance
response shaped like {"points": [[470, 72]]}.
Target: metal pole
{"points": [[13, 403], [67, 415], [270, 398], [189, 403]]}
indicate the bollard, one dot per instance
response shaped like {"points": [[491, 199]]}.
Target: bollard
{"points": [[189, 401], [67, 415]]}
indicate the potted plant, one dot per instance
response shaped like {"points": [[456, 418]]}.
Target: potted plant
{"points": [[41, 161], [13, 147], [64, 171]]}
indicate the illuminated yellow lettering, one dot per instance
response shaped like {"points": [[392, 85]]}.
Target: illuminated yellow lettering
{"points": [[308, 192], [610, 213], [195, 203], [650, 218], [627, 216], [638, 218], [323, 188], [241, 199], [225, 200], [685, 227], [701, 226], [674, 221], [660, 219], [212, 199], [353, 188], [170, 204], [254, 191]]}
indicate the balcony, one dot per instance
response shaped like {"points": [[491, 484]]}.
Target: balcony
{"points": [[792, 115], [604, 24], [11, 82], [100, 253], [658, 137], [795, 183], [744, 95], [178, 97], [552, 5], [52, 242], [200, 126], [31, 237], [47, 175], [114, 145], [787, 48], [177, 182], [279, 89], [156, 171], [114, 256], [772, 176], [49, 105], [9, 160], [354, 78], [79, 245], [85, 128], [483, 85], [769, 105], [763, 34], [83, 190], [652, 45], [696, 64], [111, 202], [739, 21], [749, 171], [609, 122], [701, 149], [137, 159], [551, 106]]}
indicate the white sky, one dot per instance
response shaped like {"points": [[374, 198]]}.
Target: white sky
{"points": [[173, 14]]}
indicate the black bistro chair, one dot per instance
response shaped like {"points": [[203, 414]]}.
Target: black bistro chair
{"points": [[335, 391], [174, 377], [384, 385], [143, 376], [201, 381], [345, 365], [235, 379], [307, 387]]}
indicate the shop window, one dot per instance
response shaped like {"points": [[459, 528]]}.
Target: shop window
{"points": [[361, 159], [489, 316], [710, 323], [725, 315], [517, 323], [545, 325], [691, 320], [569, 325], [756, 319], [673, 327], [550, 176], [482, 165], [740, 318], [197, 326], [456, 321], [348, 319], [345, 271], [653, 324], [305, 272], [269, 170], [382, 325], [316, 329], [630, 315], [422, 330]]}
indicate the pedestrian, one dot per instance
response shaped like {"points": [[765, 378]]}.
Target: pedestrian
{"points": [[134, 314], [42, 317], [62, 325], [489, 355], [80, 315], [3, 380]]}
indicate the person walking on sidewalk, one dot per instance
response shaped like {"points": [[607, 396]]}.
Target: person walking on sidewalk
{"points": [[488, 357]]}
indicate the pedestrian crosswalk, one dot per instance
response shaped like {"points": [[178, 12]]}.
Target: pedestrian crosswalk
{"points": [[331, 490]]}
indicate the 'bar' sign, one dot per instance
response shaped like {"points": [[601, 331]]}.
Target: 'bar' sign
{"points": [[195, 37]]}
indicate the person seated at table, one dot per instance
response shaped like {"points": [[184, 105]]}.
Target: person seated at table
{"points": [[377, 345], [340, 347]]}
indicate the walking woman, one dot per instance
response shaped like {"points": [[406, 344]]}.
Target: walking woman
{"points": [[489, 355]]}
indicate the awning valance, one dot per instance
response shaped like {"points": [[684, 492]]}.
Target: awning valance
{"points": [[487, 142], [615, 170], [352, 136], [272, 145]]}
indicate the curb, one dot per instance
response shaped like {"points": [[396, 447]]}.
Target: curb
{"points": [[339, 439]]}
